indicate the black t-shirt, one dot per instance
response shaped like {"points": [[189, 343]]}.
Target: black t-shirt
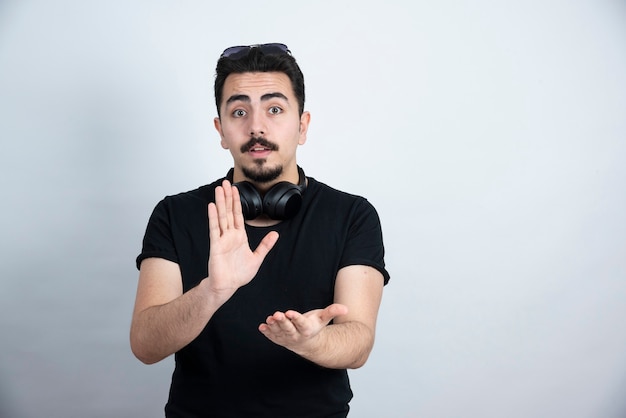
{"points": [[231, 369]]}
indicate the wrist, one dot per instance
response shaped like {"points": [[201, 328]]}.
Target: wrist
{"points": [[214, 297]]}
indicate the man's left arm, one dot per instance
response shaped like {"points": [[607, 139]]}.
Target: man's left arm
{"points": [[348, 341]]}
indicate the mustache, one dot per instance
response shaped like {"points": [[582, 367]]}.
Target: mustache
{"points": [[260, 141]]}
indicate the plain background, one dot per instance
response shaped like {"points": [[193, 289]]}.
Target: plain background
{"points": [[490, 136]]}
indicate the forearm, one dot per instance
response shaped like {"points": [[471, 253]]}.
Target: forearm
{"points": [[159, 331], [339, 346]]}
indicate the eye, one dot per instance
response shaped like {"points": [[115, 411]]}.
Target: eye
{"points": [[239, 113], [275, 110]]}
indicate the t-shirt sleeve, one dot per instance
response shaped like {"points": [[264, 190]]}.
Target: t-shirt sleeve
{"points": [[158, 240], [364, 245]]}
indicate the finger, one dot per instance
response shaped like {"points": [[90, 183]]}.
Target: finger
{"points": [[239, 222], [282, 324], [228, 203], [214, 227], [278, 322], [299, 321], [270, 320], [333, 311], [275, 318], [220, 204], [293, 315]]}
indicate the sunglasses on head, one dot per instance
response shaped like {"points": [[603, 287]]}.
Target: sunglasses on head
{"points": [[236, 52]]}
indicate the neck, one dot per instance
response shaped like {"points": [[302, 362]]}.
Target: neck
{"points": [[262, 221], [291, 175]]}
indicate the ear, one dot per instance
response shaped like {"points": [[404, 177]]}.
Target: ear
{"points": [[305, 119], [218, 127]]}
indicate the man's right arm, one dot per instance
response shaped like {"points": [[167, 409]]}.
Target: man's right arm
{"points": [[164, 319]]}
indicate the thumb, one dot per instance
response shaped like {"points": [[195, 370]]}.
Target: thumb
{"points": [[266, 244], [332, 311]]}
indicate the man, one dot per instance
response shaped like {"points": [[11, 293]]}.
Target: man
{"points": [[268, 289]]}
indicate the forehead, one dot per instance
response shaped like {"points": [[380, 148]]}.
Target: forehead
{"points": [[257, 84]]}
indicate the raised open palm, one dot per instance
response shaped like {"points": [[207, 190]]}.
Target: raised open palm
{"points": [[232, 263]]}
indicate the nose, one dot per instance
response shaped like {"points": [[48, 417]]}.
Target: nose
{"points": [[257, 124]]}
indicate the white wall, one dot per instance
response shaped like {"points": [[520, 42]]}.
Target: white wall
{"points": [[489, 135]]}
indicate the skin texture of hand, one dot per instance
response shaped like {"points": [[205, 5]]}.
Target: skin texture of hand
{"points": [[299, 332], [232, 263], [348, 341], [292, 329]]}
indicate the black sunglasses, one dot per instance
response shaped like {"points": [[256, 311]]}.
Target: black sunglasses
{"points": [[236, 52]]}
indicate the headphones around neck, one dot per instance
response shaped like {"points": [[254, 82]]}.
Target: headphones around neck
{"points": [[282, 201]]}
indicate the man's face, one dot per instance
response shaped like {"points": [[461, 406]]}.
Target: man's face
{"points": [[261, 127]]}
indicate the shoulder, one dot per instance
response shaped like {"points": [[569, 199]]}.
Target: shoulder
{"points": [[319, 189], [353, 221], [189, 204], [203, 194], [325, 195]]}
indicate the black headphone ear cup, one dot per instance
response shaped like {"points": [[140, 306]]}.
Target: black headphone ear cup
{"points": [[251, 202], [282, 201]]}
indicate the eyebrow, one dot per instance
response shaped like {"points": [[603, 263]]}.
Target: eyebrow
{"points": [[246, 98]]}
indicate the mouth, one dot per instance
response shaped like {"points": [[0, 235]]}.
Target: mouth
{"points": [[258, 146], [259, 151]]}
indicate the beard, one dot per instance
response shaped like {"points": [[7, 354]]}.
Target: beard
{"points": [[261, 174]]}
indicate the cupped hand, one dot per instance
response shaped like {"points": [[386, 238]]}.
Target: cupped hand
{"points": [[298, 331]]}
